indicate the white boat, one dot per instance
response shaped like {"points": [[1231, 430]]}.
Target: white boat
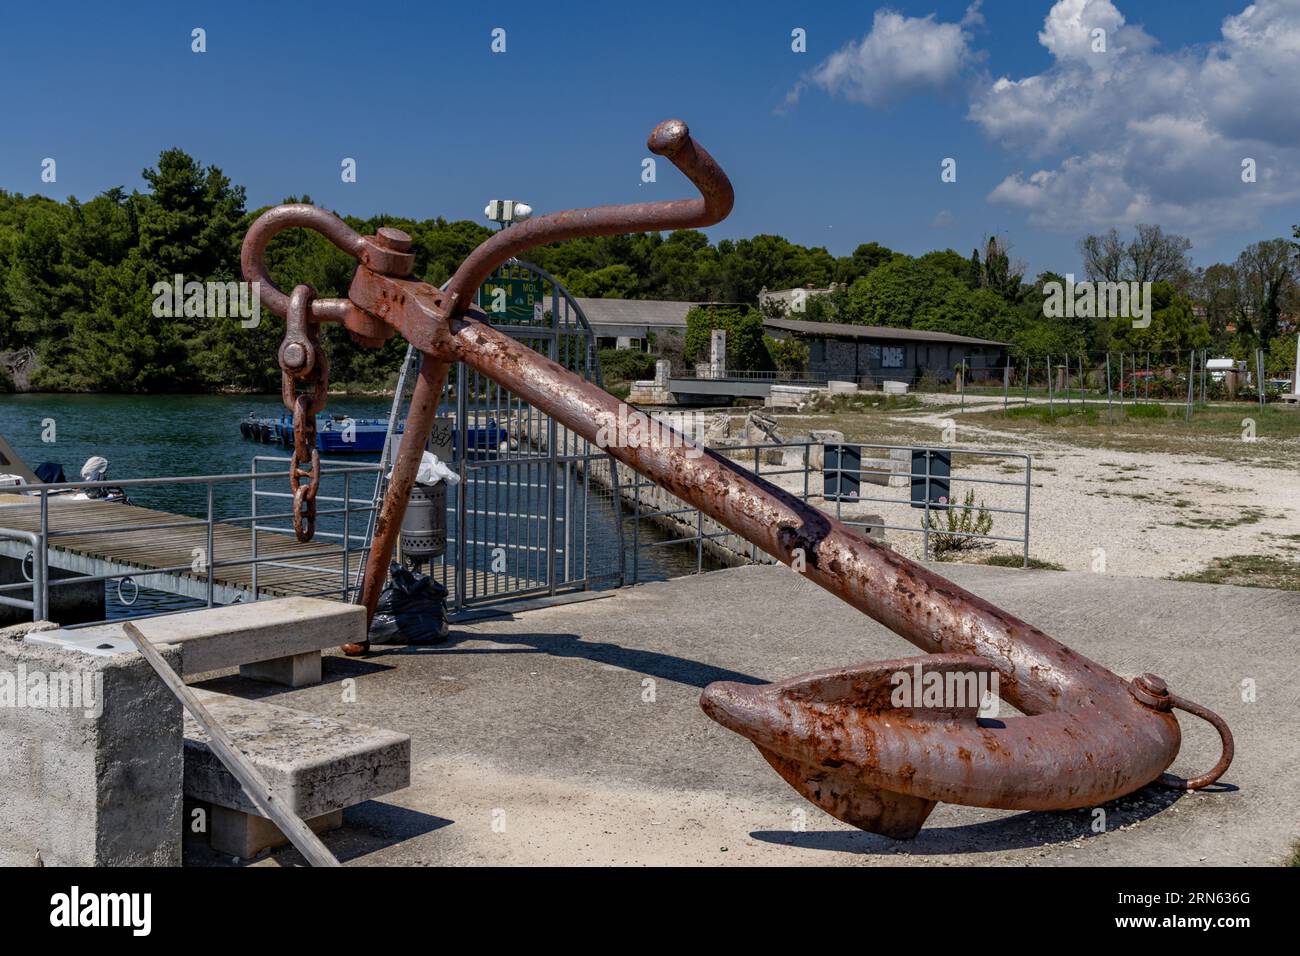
{"points": [[15, 476]]}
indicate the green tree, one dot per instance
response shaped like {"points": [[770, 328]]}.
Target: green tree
{"points": [[744, 327]]}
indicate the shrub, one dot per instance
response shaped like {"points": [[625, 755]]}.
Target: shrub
{"points": [[948, 533], [745, 348], [1146, 410], [625, 365], [928, 382], [788, 355]]}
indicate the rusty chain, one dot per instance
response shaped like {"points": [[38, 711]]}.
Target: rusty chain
{"points": [[303, 365]]}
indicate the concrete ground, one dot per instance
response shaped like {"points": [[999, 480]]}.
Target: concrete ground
{"points": [[573, 734]]}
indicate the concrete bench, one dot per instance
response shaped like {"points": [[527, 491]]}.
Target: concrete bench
{"points": [[316, 766], [278, 640]]}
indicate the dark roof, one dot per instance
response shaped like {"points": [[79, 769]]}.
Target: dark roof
{"points": [[839, 330]]}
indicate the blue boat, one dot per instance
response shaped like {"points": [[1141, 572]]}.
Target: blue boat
{"points": [[335, 434], [344, 435]]}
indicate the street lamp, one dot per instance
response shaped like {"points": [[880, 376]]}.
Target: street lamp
{"points": [[507, 211]]}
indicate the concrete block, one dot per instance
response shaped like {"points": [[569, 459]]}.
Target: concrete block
{"points": [[791, 396], [91, 759], [245, 835], [901, 467], [314, 765], [220, 637], [298, 670], [817, 452]]}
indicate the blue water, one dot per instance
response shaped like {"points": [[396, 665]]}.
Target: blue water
{"points": [[158, 436]]}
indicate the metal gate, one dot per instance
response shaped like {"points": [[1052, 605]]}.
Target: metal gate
{"points": [[537, 511]]}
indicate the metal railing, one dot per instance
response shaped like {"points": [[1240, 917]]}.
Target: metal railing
{"points": [[737, 375], [679, 525], [929, 504], [199, 578]]}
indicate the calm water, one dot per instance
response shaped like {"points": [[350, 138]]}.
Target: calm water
{"points": [[180, 435]]}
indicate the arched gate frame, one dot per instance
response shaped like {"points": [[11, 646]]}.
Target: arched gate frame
{"points": [[537, 512]]}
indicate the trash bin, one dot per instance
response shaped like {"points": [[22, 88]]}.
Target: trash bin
{"points": [[424, 526]]}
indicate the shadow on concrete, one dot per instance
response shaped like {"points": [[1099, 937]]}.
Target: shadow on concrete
{"points": [[1015, 832], [333, 670], [651, 663], [367, 827]]}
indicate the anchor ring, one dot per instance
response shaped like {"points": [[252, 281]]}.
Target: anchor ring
{"points": [[1225, 759], [30, 556], [135, 594]]}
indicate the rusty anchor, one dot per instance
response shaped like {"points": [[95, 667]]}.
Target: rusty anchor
{"points": [[837, 736]]}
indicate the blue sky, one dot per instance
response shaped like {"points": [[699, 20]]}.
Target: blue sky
{"points": [[824, 151]]}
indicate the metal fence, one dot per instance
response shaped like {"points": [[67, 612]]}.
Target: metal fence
{"points": [[531, 518], [810, 469], [534, 523], [944, 513], [221, 556]]}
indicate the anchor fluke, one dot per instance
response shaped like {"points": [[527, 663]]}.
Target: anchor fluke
{"points": [[833, 734]]}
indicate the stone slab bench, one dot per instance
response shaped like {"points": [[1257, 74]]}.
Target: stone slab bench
{"points": [[278, 640], [316, 766]]}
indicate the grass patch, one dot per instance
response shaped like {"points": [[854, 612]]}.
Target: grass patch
{"points": [[1146, 410], [1267, 437], [1249, 571], [1245, 516], [1017, 561], [864, 402]]}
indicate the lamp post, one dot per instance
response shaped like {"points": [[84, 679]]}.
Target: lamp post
{"points": [[506, 212]]}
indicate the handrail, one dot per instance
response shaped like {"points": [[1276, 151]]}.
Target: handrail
{"points": [[40, 571]]}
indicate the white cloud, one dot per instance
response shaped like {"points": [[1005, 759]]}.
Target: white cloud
{"points": [[1135, 134], [944, 219], [900, 56], [1070, 32]]}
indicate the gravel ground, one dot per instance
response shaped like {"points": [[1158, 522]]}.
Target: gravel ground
{"points": [[1153, 514]]}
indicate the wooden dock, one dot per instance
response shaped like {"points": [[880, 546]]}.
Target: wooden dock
{"points": [[112, 538]]}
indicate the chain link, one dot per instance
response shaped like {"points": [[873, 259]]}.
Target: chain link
{"points": [[303, 364]]}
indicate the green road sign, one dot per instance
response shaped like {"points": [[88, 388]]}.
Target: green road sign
{"points": [[512, 300]]}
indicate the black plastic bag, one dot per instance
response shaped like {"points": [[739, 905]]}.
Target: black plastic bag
{"points": [[412, 610]]}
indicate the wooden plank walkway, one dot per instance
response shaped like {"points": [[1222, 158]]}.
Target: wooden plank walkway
{"points": [[115, 534]]}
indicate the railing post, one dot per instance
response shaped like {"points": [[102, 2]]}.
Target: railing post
{"points": [[1110, 415], [552, 477], [462, 505], [43, 561], [636, 527], [253, 526], [208, 556], [927, 502], [1029, 468], [347, 531], [699, 540], [1051, 393]]}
